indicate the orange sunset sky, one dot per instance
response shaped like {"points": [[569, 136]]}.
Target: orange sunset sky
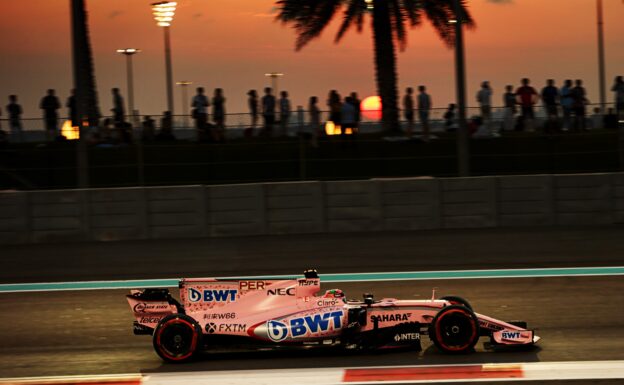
{"points": [[232, 43]]}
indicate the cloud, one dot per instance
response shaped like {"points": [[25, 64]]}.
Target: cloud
{"points": [[501, 1]]}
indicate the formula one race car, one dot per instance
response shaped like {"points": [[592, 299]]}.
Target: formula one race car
{"points": [[288, 312]]}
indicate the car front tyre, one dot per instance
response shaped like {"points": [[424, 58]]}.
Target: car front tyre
{"points": [[455, 330], [177, 338]]}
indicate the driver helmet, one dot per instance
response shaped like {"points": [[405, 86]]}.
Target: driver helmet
{"points": [[334, 293]]}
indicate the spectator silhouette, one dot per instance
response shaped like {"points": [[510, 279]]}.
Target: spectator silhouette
{"points": [[358, 109], [484, 98], [218, 115], [567, 103], [579, 105], [149, 129], [527, 97], [199, 112], [596, 121], [449, 118], [618, 89], [550, 99], [71, 108], [424, 108], [285, 112], [611, 119], [268, 111], [408, 111], [347, 118], [335, 106], [50, 104], [14, 110], [118, 107], [252, 102], [166, 128], [315, 120], [509, 101]]}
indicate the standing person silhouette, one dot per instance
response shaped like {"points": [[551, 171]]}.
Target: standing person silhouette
{"points": [[579, 105], [357, 104], [50, 104], [200, 106], [252, 102], [71, 108], [15, 118], [118, 107], [618, 89], [509, 101], [527, 97], [567, 102], [315, 120], [335, 107], [424, 108], [285, 112], [408, 110], [484, 98], [268, 111], [218, 115]]}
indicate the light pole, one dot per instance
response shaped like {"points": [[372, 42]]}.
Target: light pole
{"points": [[463, 151], [601, 56], [184, 84], [128, 52], [274, 77], [163, 14]]}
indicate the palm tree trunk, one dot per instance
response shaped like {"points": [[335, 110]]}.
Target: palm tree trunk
{"points": [[84, 84], [84, 72], [385, 66]]}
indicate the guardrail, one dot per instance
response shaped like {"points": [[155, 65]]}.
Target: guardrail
{"points": [[310, 207]]}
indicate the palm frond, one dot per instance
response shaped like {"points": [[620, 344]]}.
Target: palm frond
{"points": [[354, 15], [398, 17], [308, 17], [413, 11], [439, 12]]}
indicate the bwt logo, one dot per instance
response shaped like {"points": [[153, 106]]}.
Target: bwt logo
{"points": [[301, 326], [277, 331], [212, 295], [511, 335]]}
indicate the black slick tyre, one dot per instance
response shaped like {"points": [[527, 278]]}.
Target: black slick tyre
{"points": [[177, 338], [455, 300], [455, 330]]}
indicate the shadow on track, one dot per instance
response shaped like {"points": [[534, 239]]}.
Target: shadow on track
{"points": [[338, 357]]}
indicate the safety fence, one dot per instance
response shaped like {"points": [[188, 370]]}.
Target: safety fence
{"points": [[236, 124], [55, 165]]}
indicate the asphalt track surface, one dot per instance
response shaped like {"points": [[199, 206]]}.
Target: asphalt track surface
{"points": [[333, 253], [89, 332]]}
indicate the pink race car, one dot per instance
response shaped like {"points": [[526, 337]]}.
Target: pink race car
{"points": [[288, 312]]}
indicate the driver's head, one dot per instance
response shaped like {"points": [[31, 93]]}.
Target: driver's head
{"points": [[334, 293]]}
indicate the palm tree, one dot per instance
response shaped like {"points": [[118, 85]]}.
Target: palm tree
{"points": [[84, 84], [389, 25]]}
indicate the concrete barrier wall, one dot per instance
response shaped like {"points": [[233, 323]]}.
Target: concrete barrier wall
{"points": [[310, 207], [618, 197]]}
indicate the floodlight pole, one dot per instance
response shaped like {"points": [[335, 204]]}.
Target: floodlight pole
{"points": [[128, 53]]}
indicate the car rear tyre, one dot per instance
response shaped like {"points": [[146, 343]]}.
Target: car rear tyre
{"points": [[177, 338], [455, 330], [455, 300]]}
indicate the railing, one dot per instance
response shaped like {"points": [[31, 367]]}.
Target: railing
{"points": [[236, 123]]}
